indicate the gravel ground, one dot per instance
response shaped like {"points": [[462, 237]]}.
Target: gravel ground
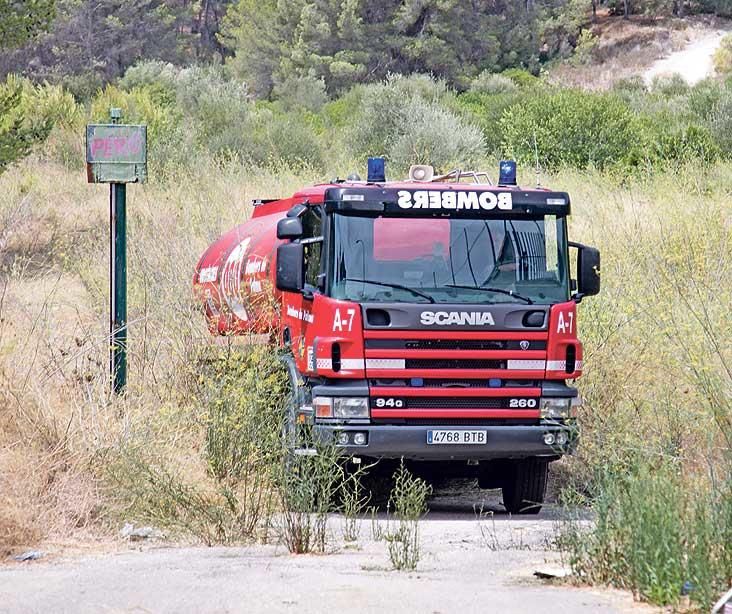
{"points": [[469, 565]]}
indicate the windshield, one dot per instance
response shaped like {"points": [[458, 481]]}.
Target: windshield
{"points": [[449, 260]]}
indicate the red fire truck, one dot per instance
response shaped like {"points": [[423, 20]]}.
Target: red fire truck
{"points": [[432, 319]]}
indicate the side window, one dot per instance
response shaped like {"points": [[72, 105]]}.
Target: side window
{"points": [[312, 240]]}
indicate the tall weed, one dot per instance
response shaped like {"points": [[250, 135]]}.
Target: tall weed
{"points": [[409, 500]]}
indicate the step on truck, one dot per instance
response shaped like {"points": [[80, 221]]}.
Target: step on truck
{"points": [[432, 319]]}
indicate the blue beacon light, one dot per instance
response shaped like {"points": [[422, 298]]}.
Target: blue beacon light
{"points": [[507, 172], [376, 170]]}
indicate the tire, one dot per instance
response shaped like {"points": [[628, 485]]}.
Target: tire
{"points": [[525, 486]]}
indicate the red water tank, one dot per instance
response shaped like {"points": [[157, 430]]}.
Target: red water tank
{"points": [[234, 278]]}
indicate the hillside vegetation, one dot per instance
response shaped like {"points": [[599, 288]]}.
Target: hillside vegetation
{"points": [[649, 170]]}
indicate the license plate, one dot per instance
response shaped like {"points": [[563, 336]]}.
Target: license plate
{"points": [[456, 437]]}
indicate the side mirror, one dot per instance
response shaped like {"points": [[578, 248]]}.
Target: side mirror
{"points": [[289, 228], [588, 270], [290, 275]]}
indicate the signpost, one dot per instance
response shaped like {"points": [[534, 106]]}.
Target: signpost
{"points": [[117, 154]]}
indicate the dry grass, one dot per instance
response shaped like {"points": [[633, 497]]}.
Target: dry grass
{"points": [[56, 416]]}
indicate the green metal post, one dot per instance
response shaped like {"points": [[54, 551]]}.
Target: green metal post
{"points": [[118, 280]]}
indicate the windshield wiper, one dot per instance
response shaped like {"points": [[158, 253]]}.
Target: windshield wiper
{"points": [[499, 290], [389, 285]]}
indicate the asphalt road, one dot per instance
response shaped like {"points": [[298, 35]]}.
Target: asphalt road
{"points": [[469, 564]]}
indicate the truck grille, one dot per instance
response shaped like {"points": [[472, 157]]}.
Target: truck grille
{"points": [[456, 383], [448, 403], [455, 403], [450, 344], [453, 363], [438, 422]]}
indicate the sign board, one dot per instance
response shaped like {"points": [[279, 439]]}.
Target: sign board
{"points": [[116, 153]]}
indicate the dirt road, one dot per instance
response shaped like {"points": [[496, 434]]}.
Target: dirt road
{"points": [[469, 565], [694, 62]]}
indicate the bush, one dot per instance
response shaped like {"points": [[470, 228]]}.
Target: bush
{"points": [[723, 57], [522, 78], [491, 83], [404, 120], [486, 110], [692, 142], [301, 93], [271, 138], [218, 110], [150, 73], [719, 120], [630, 86], [409, 499], [138, 106], [432, 135], [572, 128], [27, 115], [670, 85], [654, 533], [242, 395]]}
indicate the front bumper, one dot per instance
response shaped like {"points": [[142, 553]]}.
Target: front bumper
{"points": [[410, 442]]}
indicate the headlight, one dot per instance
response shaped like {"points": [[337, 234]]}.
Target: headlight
{"points": [[342, 408], [555, 408]]}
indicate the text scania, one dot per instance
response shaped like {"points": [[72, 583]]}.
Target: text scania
{"points": [[458, 200], [461, 318]]}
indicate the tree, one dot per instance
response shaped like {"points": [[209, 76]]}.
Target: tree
{"points": [[206, 20], [18, 132], [353, 41], [94, 41], [21, 21]]}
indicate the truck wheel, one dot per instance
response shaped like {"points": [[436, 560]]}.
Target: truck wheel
{"points": [[525, 486]]}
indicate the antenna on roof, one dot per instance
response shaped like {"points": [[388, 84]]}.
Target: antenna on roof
{"points": [[536, 155]]}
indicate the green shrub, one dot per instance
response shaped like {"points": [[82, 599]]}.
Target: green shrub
{"points": [[433, 135], [217, 109], [150, 72], [271, 138], [719, 120], [692, 142], [670, 85], [704, 96], [573, 128], [238, 400], [521, 77], [301, 93], [629, 86], [341, 112], [157, 78], [409, 500], [404, 120], [654, 532], [138, 106], [586, 44], [307, 485], [27, 115], [723, 57], [491, 83], [486, 110], [243, 394]]}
